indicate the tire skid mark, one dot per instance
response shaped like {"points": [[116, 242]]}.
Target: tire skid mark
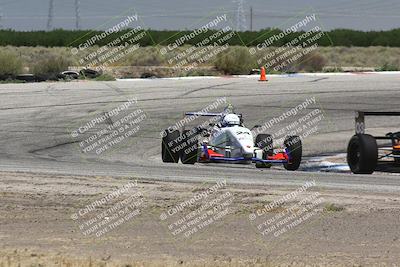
{"points": [[205, 88], [54, 146], [195, 97], [319, 79]]}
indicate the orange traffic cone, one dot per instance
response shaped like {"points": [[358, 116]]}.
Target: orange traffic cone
{"points": [[263, 77]]}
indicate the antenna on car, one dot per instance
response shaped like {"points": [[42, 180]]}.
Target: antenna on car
{"points": [[229, 109]]}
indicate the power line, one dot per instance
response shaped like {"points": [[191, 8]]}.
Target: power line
{"points": [[50, 16], [358, 6]]}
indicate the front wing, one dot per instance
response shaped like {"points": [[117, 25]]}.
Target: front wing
{"points": [[211, 156]]}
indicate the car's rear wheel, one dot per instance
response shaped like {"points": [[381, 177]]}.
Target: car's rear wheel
{"points": [[294, 149], [362, 154], [396, 152], [189, 148], [169, 146], [264, 142]]}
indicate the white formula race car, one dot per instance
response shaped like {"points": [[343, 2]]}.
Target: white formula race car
{"points": [[227, 140]]}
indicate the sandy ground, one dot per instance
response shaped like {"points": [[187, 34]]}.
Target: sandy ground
{"points": [[36, 226]]}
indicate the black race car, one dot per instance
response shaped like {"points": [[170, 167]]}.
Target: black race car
{"points": [[363, 152]]}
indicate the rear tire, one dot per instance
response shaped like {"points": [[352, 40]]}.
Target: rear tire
{"points": [[396, 160], [294, 149], [264, 142], [169, 147], [189, 149], [362, 154]]}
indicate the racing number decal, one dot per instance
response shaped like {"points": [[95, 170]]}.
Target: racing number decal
{"points": [[239, 132]]}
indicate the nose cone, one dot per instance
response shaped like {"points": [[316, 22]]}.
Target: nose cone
{"points": [[248, 148]]}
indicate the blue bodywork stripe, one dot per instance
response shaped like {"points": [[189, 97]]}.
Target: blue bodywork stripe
{"points": [[252, 159]]}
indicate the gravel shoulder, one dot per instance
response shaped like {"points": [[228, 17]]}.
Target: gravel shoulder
{"points": [[36, 225]]}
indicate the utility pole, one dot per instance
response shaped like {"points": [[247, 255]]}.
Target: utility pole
{"points": [[77, 14], [251, 18], [1, 17], [51, 15]]}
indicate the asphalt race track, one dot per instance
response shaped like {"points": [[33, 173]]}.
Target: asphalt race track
{"points": [[66, 147], [37, 120]]}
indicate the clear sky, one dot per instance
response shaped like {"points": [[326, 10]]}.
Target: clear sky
{"points": [[185, 14]]}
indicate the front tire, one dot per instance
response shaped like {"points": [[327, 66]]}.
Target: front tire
{"points": [[189, 147], [169, 147], [362, 154], [294, 149]]}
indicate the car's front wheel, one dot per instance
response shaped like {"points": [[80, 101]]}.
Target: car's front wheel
{"points": [[169, 146], [189, 147], [294, 149]]}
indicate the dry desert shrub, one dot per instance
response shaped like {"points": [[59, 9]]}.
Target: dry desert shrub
{"points": [[313, 62], [144, 56], [50, 66], [376, 56], [235, 60], [10, 64]]}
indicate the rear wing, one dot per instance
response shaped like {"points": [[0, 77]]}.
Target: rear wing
{"points": [[203, 114], [208, 114], [360, 118], [228, 109]]}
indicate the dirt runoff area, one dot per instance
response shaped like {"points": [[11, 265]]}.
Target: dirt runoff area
{"points": [[64, 220]]}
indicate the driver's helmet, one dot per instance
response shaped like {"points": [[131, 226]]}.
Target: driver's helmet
{"points": [[231, 120]]}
